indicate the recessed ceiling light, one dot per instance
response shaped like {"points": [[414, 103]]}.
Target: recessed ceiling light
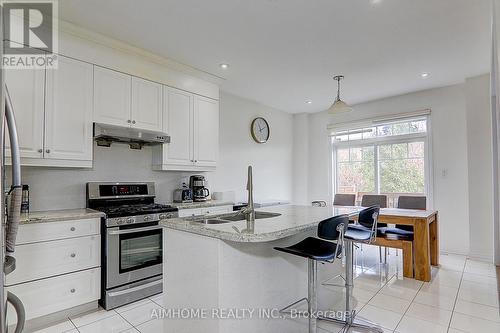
{"points": [[308, 102], [424, 75], [375, 2], [224, 66]]}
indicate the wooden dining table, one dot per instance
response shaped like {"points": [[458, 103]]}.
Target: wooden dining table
{"points": [[425, 236]]}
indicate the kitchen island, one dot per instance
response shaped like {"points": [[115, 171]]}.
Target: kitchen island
{"points": [[228, 278]]}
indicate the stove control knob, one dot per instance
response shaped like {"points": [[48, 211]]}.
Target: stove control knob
{"points": [[147, 218], [119, 221], [130, 220], [164, 216]]}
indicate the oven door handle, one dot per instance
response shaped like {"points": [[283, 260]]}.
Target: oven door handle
{"points": [[144, 286], [131, 231]]}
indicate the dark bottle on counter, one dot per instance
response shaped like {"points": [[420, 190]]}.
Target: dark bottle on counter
{"points": [[25, 199]]}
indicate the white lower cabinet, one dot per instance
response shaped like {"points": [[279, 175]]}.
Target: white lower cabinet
{"points": [[58, 267], [216, 210], [205, 211], [47, 296], [40, 232], [189, 212], [41, 260]]}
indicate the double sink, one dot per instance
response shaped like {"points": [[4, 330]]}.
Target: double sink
{"points": [[232, 217]]}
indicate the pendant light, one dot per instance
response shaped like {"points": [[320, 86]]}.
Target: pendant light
{"points": [[339, 106]]}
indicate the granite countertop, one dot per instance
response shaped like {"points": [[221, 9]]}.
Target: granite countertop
{"points": [[59, 215], [293, 220], [209, 203]]}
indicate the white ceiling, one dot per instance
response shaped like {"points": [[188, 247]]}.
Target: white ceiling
{"points": [[284, 52]]}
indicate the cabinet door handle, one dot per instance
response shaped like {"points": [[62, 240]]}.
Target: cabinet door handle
{"points": [[73, 290], [72, 229], [133, 121], [129, 121], [47, 151], [40, 151], [72, 255]]}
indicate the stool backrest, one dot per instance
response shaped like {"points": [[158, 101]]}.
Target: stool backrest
{"points": [[412, 202], [369, 200], [368, 217], [342, 199], [333, 228]]}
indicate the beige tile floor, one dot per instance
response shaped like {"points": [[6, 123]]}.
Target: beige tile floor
{"points": [[462, 297]]}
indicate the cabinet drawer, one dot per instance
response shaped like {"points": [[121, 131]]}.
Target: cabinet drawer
{"points": [[216, 210], [39, 232], [55, 294], [42, 260], [189, 212]]}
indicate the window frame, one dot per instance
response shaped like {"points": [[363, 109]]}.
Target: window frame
{"points": [[426, 137]]}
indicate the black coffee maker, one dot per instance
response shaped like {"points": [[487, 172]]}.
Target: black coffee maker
{"points": [[197, 184]]}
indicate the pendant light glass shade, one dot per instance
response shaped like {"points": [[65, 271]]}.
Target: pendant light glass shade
{"points": [[339, 106]]}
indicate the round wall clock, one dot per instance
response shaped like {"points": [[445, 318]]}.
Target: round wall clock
{"points": [[260, 130]]}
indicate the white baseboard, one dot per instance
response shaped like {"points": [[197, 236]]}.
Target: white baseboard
{"points": [[474, 256]]}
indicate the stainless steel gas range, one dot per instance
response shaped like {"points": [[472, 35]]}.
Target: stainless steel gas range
{"points": [[131, 240]]}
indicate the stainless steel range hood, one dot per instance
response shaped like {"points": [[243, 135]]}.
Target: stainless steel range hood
{"points": [[105, 134]]}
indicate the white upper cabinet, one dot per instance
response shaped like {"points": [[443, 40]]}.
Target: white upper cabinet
{"points": [[178, 123], [112, 97], [125, 100], [53, 110], [193, 125], [26, 88], [68, 111], [206, 131], [146, 104]]}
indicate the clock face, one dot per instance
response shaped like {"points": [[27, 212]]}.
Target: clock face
{"points": [[260, 130]]}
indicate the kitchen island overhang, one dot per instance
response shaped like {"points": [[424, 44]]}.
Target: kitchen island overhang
{"points": [[232, 268]]}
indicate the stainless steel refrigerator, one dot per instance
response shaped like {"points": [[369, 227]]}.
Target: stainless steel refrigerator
{"points": [[10, 201]]}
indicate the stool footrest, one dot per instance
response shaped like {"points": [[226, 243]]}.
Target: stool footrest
{"points": [[286, 309], [328, 283], [354, 322]]}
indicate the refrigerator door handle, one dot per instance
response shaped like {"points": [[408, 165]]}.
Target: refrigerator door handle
{"points": [[20, 312], [14, 211]]}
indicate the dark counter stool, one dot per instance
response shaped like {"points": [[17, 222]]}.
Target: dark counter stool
{"points": [[364, 232], [314, 249]]}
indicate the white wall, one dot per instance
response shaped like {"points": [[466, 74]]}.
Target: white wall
{"points": [[301, 159], [480, 163], [495, 113], [449, 132], [272, 161]]}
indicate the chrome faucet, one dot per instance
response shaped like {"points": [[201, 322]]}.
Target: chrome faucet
{"points": [[249, 211]]}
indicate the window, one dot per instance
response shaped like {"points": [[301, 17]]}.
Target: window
{"points": [[388, 158]]}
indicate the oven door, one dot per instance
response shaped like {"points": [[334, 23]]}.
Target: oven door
{"points": [[134, 252]]}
